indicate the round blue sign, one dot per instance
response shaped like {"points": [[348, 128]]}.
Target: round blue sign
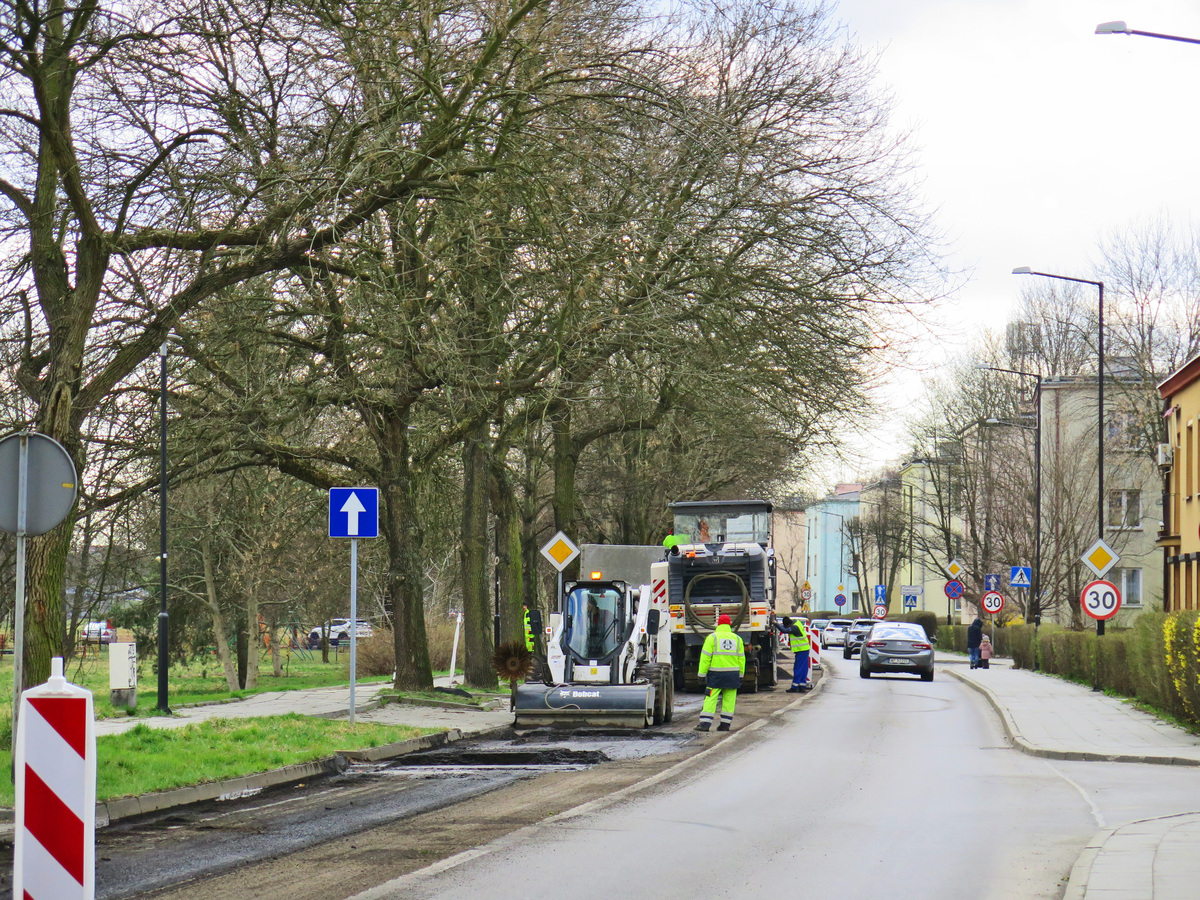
{"points": [[954, 589], [840, 599]]}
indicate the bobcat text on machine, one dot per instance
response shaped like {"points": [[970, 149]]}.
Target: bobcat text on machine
{"points": [[608, 658]]}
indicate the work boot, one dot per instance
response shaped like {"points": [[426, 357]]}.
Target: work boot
{"points": [[793, 689], [724, 726], [703, 726]]}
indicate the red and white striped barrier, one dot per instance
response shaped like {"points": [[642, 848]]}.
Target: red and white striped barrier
{"points": [[814, 649], [54, 852]]}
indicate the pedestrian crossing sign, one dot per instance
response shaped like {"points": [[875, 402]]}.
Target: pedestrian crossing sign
{"points": [[1020, 576]]}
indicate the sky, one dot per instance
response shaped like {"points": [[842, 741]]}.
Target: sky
{"points": [[1033, 138]]}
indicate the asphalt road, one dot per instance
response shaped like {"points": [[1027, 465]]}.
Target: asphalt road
{"points": [[880, 787]]}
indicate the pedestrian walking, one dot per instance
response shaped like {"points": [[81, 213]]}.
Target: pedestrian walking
{"points": [[800, 644], [974, 639], [985, 652], [722, 665]]}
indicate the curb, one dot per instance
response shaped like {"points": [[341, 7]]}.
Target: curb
{"points": [[1077, 882], [1018, 740], [520, 836]]}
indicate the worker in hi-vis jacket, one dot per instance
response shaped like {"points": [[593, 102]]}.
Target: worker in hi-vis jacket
{"points": [[722, 665]]}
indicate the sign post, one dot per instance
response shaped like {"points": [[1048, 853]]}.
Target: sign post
{"points": [[54, 841], [38, 486], [354, 513]]}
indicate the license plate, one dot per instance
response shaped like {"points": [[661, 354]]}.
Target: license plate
{"points": [[900, 662]]}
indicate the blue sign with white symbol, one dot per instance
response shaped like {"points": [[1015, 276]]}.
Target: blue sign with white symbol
{"points": [[954, 589], [910, 601], [880, 593], [1020, 576], [991, 582], [840, 599], [354, 512]]}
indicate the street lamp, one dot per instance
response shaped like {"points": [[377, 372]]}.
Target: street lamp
{"points": [[1025, 270], [163, 706], [1122, 28], [841, 544]]}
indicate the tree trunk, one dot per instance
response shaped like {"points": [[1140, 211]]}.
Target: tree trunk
{"points": [[401, 529], [565, 465], [254, 634], [276, 658], [473, 556], [508, 528], [218, 619]]}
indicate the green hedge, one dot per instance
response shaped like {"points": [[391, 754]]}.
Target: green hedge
{"points": [[1156, 661]]}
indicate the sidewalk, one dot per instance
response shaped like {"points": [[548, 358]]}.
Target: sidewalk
{"points": [[1048, 717], [330, 702]]}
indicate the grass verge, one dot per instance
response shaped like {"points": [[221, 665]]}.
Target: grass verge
{"points": [[199, 680], [145, 759]]}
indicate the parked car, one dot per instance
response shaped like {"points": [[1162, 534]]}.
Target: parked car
{"points": [[855, 635], [339, 630], [99, 633], [835, 633], [897, 647]]}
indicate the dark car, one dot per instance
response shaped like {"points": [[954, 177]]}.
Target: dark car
{"points": [[897, 647], [855, 635]]}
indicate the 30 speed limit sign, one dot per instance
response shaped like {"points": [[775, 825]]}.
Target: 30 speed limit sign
{"points": [[1101, 599], [992, 602]]}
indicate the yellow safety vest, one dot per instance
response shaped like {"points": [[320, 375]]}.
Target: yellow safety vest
{"points": [[800, 641], [723, 652], [528, 633]]}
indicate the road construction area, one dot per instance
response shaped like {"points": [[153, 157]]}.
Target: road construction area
{"points": [[340, 835]]}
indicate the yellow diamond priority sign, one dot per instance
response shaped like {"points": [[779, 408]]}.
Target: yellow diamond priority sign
{"points": [[955, 569], [1100, 558], [560, 551]]}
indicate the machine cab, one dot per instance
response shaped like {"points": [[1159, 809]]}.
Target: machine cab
{"points": [[724, 521], [597, 628]]}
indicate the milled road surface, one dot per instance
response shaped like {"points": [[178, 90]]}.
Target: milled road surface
{"points": [[880, 787]]}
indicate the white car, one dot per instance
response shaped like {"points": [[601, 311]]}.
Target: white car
{"points": [[835, 633], [339, 630], [98, 633]]}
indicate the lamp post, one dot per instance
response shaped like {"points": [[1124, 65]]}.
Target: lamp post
{"points": [[1025, 270], [1122, 28], [163, 706], [841, 543]]}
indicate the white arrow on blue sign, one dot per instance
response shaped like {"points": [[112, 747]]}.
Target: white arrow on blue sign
{"points": [[1020, 576], [991, 582], [880, 593], [354, 512]]}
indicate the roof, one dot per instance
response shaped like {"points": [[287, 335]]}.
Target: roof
{"points": [[1180, 378], [724, 505]]}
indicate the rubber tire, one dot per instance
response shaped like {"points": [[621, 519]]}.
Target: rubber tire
{"points": [[846, 653], [864, 672], [927, 676]]}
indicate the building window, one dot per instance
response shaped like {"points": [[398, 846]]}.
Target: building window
{"points": [[1124, 509], [1130, 583]]}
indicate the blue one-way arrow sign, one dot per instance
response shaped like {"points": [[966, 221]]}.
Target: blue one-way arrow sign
{"points": [[991, 582], [354, 512]]}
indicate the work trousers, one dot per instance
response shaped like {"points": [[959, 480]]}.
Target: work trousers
{"points": [[727, 698], [800, 668]]}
